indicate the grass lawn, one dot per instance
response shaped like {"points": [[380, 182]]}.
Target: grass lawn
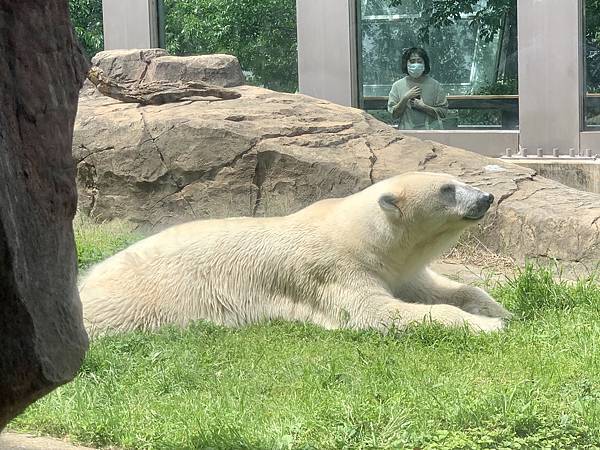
{"points": [[287, 385]]}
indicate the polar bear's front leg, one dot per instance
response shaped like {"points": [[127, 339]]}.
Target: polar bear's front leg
{"points": [[383, 313], [431, 288]]}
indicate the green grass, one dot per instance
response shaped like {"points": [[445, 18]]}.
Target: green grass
{"points": [[96, 242], [286, 385]]}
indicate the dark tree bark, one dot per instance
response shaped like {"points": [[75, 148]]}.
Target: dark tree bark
{"points": [[42, 339]]}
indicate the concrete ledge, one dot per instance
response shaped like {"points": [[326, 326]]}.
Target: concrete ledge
{"points": [[484, 142], [582, 174]]}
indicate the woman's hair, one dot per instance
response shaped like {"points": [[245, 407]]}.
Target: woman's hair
{"points": [[420, 51]]}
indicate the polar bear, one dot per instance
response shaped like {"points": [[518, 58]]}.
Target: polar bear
{"points": [[355, 262]]}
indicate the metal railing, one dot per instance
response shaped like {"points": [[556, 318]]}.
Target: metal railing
{"points": [[508, 105]]}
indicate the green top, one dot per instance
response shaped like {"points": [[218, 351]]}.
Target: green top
{"points": [[432, 94]]}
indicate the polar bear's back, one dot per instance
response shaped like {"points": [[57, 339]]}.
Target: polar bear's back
{"points": [[226, 271]]}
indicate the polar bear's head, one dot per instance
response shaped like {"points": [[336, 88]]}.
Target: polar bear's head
{"points": [[433, 199], [427, 212]]}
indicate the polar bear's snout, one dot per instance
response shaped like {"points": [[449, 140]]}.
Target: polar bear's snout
{"points": [[475, 202]]}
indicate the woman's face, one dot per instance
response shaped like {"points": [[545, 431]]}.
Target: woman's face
{"points": [[415, 59]]}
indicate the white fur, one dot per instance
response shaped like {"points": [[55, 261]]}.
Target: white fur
{"points": [[337, 263]]}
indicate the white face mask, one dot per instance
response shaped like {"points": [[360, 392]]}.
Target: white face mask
{"points": [[415, 70]]}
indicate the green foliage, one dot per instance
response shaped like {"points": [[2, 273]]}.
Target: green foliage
{"points": [[592, 20], [262, 34], [503, 87], [86, 17], [489, 18], [592, 46], [286, 385], [495, 433]]}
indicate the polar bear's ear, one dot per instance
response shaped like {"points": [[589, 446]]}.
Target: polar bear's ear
{"points": [[389, 202]]}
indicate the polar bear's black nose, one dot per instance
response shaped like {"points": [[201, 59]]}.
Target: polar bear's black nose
{"points": [[489, 198]]}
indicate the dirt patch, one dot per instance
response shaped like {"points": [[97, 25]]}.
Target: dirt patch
{"points": [[18, 441]]}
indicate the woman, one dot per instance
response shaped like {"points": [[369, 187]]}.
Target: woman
{"points": [[417, 101]]}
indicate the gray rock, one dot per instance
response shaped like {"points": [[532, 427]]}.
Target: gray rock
{"points": [[220, 70], [269, 153], [41, 328], [135, 66], [126, 66]]}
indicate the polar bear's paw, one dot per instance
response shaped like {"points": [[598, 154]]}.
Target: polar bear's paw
{"points": [[486, 324], [488, 308]]}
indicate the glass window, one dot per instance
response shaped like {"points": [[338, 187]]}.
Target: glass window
{"points": [[262, 35], [471, 48], [592, 64]]}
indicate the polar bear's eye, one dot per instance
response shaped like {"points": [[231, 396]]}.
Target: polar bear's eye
{"points": [[448, 195], [448, 190]]}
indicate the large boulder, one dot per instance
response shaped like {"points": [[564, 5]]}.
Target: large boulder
{"points": [[269, 153], [220, 70], [128, 67], [41, 328]]}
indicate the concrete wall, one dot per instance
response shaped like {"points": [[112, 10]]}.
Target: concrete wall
{"points": [[590, 140], [488, 143], [130, 24], [326, 50], [582, 175], [550, 61]]}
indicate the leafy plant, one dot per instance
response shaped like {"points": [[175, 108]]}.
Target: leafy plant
{"points": [[86, 17], [262, 34]]}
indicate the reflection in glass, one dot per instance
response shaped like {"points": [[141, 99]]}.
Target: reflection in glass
{"points": [[472, 45], [418, 101], [592, 64]]}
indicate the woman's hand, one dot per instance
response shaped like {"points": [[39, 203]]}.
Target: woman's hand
{"points": [[418, 104], [413, 93]]}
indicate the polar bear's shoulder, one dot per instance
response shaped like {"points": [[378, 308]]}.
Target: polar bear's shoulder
{"points": [[318, 210]]}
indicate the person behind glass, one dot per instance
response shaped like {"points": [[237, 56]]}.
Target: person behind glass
{"points": [[417, 101]]}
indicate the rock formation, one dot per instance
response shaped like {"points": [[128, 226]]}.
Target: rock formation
{"points": [[269, 153]]}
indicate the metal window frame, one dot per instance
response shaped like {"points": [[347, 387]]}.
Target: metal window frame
{"points": [[543, 124]]}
